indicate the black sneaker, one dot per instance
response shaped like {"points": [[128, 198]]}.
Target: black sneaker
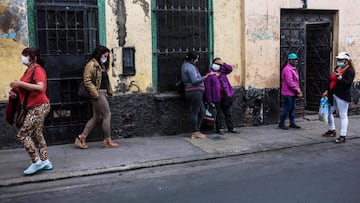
{"points": [[283, 127], [341, 139], [294, 126]]}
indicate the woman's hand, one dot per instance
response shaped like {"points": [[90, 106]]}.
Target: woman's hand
{"points": [[15, 83], [219, 62], [325, 94], [12, 95]]}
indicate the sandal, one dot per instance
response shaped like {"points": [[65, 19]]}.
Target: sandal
{"points": [[80, 141], [329, 133], [341, 139]]}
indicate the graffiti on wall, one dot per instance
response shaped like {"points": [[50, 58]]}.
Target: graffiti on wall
{"points": [[13, 20], [13, 39]]}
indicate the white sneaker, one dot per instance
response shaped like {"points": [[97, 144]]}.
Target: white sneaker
{"points": [[34, 167], [47, 164]]}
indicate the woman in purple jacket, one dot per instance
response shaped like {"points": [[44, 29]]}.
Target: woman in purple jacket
{"points": [[218, 90]]}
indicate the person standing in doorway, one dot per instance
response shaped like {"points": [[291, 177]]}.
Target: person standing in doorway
{"points": [[194, 90], [96, 81], [219, 91], [33, 86], [290, 90], [339, 95]]}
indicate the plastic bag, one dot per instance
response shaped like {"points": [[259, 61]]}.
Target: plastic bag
{"points": [[324, 109]]}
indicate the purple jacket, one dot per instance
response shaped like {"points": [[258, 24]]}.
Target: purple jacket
{"points": [[213, 85], [290, 81]]}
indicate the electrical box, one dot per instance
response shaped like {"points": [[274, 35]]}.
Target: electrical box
{"points": [[128, 55]]}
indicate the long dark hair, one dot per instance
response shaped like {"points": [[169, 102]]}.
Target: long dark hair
{"points": [[100, 50], [34, 55]]}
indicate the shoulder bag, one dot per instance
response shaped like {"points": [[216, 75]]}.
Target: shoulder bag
{"points": [[19, 121]]}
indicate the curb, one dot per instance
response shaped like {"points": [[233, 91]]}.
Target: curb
{"points": [[148, 164]]}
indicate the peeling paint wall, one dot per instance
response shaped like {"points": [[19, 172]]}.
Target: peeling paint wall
{"points": [[262, 30], [13, 39], [128, 24]]}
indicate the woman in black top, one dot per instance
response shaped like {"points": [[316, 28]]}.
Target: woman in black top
{"points": [[339, 95]]}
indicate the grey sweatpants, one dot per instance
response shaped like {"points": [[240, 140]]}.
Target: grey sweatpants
{"points": [[101, 111]]}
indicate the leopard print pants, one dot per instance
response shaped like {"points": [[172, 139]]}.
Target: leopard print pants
{"points": [[31, 133]]}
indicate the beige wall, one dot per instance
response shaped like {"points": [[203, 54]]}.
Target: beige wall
{"points": [[228, 35]]}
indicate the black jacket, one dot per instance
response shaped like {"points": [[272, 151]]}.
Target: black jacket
{"points": [[343, 86]]}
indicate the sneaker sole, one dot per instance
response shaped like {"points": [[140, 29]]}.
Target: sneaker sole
{"points": [[32, 172]]}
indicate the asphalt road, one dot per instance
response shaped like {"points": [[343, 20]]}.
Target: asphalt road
{"points": [[316, 173]]}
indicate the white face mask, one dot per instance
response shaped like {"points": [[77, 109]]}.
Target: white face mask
{"points": [[25, 60], [215, 67], [103, 59]]}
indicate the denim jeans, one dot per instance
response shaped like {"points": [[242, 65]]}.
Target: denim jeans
{"points": [[197, 112], [289, 106]]}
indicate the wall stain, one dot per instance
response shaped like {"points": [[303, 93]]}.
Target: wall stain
{"points": [[145, 6]]}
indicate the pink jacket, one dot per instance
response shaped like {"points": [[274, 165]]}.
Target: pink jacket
{"points": [[290, 81]]}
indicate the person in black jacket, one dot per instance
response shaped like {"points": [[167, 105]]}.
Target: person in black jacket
{"points": [[339, 95]]}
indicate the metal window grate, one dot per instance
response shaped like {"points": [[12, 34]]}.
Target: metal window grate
{"points": [[181, 26], [66, 28], [66, 33], [128, 61]]}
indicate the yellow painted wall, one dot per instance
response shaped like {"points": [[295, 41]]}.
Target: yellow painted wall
{"points": [[228, 34], [138, 35]]}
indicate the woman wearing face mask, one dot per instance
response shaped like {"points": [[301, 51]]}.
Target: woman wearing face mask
{"points": [[339, 95], [33, 86], [219, 91], [194, 90], [96, 81]]}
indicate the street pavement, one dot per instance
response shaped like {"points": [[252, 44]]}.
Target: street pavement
{"points": [[142, 152]]}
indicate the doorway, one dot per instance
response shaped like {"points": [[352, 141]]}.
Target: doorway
{"points": [[308, 33], [318, 62]]}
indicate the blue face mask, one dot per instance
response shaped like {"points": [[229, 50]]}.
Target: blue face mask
{"points": [[340, 64]]}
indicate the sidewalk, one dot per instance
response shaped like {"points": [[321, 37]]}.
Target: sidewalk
{"points": [[142, 152]]}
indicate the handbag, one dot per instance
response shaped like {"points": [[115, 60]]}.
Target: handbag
{"points": [[83, 92], [20, 117]]}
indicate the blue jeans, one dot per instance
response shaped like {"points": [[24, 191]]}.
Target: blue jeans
{"points": [[288, 108]]}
